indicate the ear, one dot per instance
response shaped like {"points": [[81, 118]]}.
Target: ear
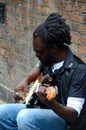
{"points": [[55, 47]]}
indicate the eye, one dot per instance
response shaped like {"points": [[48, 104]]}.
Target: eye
{"points": [[39, 53]]}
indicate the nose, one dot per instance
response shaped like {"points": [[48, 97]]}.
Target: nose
{"points": [[38, 55]]}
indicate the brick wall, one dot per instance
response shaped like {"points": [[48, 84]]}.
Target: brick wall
{"points": [[22, 16]]}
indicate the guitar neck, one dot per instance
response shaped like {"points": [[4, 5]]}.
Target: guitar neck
{"points": [[33, 88]]}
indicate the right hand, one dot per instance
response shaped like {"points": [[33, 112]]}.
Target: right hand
{"points": [[20, 91]]}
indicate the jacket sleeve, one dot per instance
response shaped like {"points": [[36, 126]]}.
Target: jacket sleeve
{"points": [[78, 83]]}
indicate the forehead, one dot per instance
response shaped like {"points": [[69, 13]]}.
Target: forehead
{"points": [[37, 44]]}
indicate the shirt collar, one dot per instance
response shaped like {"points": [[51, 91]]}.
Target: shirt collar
{"points": [[57, 66], [68, 63]]}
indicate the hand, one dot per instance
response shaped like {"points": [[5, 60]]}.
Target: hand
{"points": [[20, 91], [46, 94], [50, 93]]}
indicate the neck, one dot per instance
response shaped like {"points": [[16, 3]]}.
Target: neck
{"points": [[61, 55]]}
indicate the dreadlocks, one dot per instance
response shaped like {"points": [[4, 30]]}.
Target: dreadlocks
{"points": [[53, 32]]}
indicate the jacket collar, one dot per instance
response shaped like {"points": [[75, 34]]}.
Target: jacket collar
{"points": [[69, 61]]}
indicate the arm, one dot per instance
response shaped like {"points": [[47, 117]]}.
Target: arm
{"points": [[67, 113], [77, 90], [23, 85]]}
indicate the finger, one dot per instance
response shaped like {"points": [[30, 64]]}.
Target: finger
{"points": [[25, 92], [46, 85], [50, 93]]}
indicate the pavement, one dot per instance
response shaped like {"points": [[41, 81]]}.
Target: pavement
{"points": [[2, 102]]}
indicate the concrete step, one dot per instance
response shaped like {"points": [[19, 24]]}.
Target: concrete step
{"points": [[2, 102]]}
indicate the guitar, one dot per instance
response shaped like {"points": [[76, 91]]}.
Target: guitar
{"points": [[31, 97]]}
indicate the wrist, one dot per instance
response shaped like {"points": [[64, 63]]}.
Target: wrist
{"points": [[55, 105], [25, 82]]}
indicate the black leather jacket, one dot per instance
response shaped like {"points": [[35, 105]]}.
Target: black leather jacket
{"points": [[71, 79]]}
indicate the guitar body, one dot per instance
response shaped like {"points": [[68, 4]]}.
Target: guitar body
{"points": [[31, 98]]}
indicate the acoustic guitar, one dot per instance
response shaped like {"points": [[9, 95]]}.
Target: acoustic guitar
{"points": [[39, 83]]}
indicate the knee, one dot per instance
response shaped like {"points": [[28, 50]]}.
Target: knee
{"points": [[21, 117], [26, 117]]}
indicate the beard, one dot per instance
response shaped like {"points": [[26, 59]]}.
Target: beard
{"points": [[47, 61]]}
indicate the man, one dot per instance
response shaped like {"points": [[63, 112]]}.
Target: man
{"points": [[67, 109]]}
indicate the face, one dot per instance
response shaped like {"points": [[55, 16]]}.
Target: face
{"points": [[43, 54]]}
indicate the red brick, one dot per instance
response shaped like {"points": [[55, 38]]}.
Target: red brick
{"points": [[76, 17], [83, 39], [47, 2], [79, 8], [82, 29], [75, 48], [79, 1], [67, 6], [9, 8], [10, 24], [57, 3], [2, 51], [82, 50], [83, 58], [76, 37], [3, 44]]}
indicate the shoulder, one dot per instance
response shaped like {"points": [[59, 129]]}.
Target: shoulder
{"points": [[80, 65]]}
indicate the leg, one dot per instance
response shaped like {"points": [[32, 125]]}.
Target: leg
{"points": [[39, 119], [8, 114]]}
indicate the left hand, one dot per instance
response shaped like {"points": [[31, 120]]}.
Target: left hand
{"points": [[46, 94]]}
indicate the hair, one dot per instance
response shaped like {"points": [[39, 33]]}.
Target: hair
{"points": [[53, 32]]}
